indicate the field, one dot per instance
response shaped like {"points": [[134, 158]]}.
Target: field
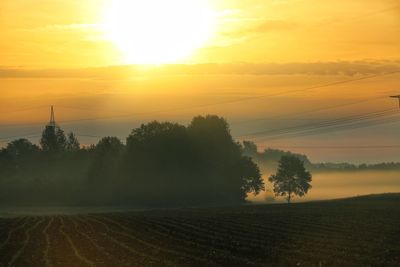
{"points": [[361, 231]]}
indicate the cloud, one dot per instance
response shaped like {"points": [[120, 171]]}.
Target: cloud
{"points": [[349, 68], [265, 26], [274, 25], [63, 27]]}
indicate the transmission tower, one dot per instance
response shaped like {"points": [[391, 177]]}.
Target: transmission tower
{"points": [[398, 97], [52, 122]]}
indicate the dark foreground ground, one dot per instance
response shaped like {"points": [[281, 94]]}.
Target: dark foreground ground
{"points": [[355, 232]]}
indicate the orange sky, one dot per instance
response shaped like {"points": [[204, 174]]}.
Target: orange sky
{"points": [[55, 33], [55, 52]]}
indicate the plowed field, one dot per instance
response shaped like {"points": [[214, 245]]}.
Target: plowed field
{"points": [[354, 232]]}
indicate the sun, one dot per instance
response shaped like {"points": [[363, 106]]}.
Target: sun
{"points": [[158, 31]]}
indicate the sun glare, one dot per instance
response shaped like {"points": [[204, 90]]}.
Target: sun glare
{"points": [[158, 31]]}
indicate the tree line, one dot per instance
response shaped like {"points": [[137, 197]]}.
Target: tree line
{"points": [[159, 164], [269, 158]]}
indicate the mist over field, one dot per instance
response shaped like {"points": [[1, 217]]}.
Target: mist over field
{"points": [[340, 184], [327, 185]]}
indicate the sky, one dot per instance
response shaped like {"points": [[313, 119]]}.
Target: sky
{"points": [[107, 66]]}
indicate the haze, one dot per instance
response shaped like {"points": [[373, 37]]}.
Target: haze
{"points": [[261, 60]]}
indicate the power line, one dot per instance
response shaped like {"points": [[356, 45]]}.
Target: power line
{"points": [[361, 147], [298, 114], [24, 109], [335, 129], [332, 129], [214, 104], [19, 136], [327, 123], [345, 123], [89, 135]]}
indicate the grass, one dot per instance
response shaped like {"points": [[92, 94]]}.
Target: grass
{"points": [[361, 231]]}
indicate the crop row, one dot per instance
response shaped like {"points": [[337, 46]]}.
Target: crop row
{"points": [[243, 236]]}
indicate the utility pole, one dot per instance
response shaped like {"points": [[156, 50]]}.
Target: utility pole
{"points": [[396, 96]]}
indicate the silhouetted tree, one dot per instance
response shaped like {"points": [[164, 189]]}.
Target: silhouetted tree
{"points": [[22, 152], [72, 142], [251, 175], [157, 162], [61, 139], [225, 174], [172, 164], [268, 159], [105, 167], [212, 139], [291, 178], [249, 149], [6, 163], [53, 139], [163, 163], [21, 147]]}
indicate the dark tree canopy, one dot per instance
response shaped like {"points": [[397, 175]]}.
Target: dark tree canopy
{"points": [[72, 143], [252, 182], [7, 165], [162, 164], [21, 148], [170, 163], [291, 178], [20, 153], [105, 168], [53, 139], [249, 148]]}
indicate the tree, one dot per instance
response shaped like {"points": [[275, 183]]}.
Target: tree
{"points": [[21, 148], [53, 139], [107, 155], [104, 170], [291, 178], [21, 152], [6, 163], [172, 164], [72, 142], [213, 141], [61, 139], [227, 175], [158, 162], [249, 149], [250, 174]]}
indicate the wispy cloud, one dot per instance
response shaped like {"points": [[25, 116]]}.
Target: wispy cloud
{"points": [[349, 68], [264, 26], [64, 27]]}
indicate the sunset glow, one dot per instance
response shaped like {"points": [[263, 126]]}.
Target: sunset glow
{"points": [[110, 65], [157, 31]]}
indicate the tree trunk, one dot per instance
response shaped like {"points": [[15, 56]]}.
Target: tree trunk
{"points": [[289, 197]]}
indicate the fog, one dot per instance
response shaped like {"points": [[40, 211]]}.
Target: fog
{"points": [[326, 185], [331, 185]]}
